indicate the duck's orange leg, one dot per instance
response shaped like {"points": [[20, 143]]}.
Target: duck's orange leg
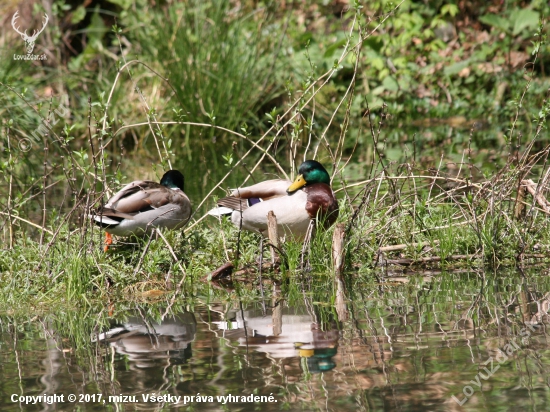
{"points": [[108, 241]]}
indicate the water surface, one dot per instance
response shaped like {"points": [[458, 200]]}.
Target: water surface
{"points": [[409, 343]]}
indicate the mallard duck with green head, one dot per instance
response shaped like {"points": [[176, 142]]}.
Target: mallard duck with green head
{"points": [[142, 205], [294, 204]]}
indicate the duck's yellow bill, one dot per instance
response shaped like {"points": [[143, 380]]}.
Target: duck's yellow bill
{"points": [[298, 183], [306, 353]]}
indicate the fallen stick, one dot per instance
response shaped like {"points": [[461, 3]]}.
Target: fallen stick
{"points": [[393, 248], [223, 271], [407, 262]]}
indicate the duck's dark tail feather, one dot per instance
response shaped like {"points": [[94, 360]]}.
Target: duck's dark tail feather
{"points": [[228, 205], [104, 221]]}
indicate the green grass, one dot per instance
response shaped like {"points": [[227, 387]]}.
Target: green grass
{"points": [[275, 72], [71, 267], [223, 63]]}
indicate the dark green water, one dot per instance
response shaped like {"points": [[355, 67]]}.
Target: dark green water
{"points": [[407, 344]]}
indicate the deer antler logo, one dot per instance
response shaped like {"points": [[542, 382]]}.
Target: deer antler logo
{"points": [[29, 40]]}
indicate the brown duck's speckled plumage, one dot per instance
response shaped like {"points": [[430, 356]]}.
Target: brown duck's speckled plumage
{"points": [[143, 205], [235, 203], [143, 195]]}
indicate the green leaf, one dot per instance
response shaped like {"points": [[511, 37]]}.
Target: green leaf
{"points": [[374, 43], [78, 15], [523, 19], [456, 68], [376, 61], [95, 32], [393, 153], [97, 29], [405, 83], [496, 21], [377, 91], [390, 84], [333, 47], [124, 4], [450, 9]]}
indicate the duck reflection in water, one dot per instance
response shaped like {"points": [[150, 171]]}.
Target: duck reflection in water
{"points": [[145, 341], [284, 333]]}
